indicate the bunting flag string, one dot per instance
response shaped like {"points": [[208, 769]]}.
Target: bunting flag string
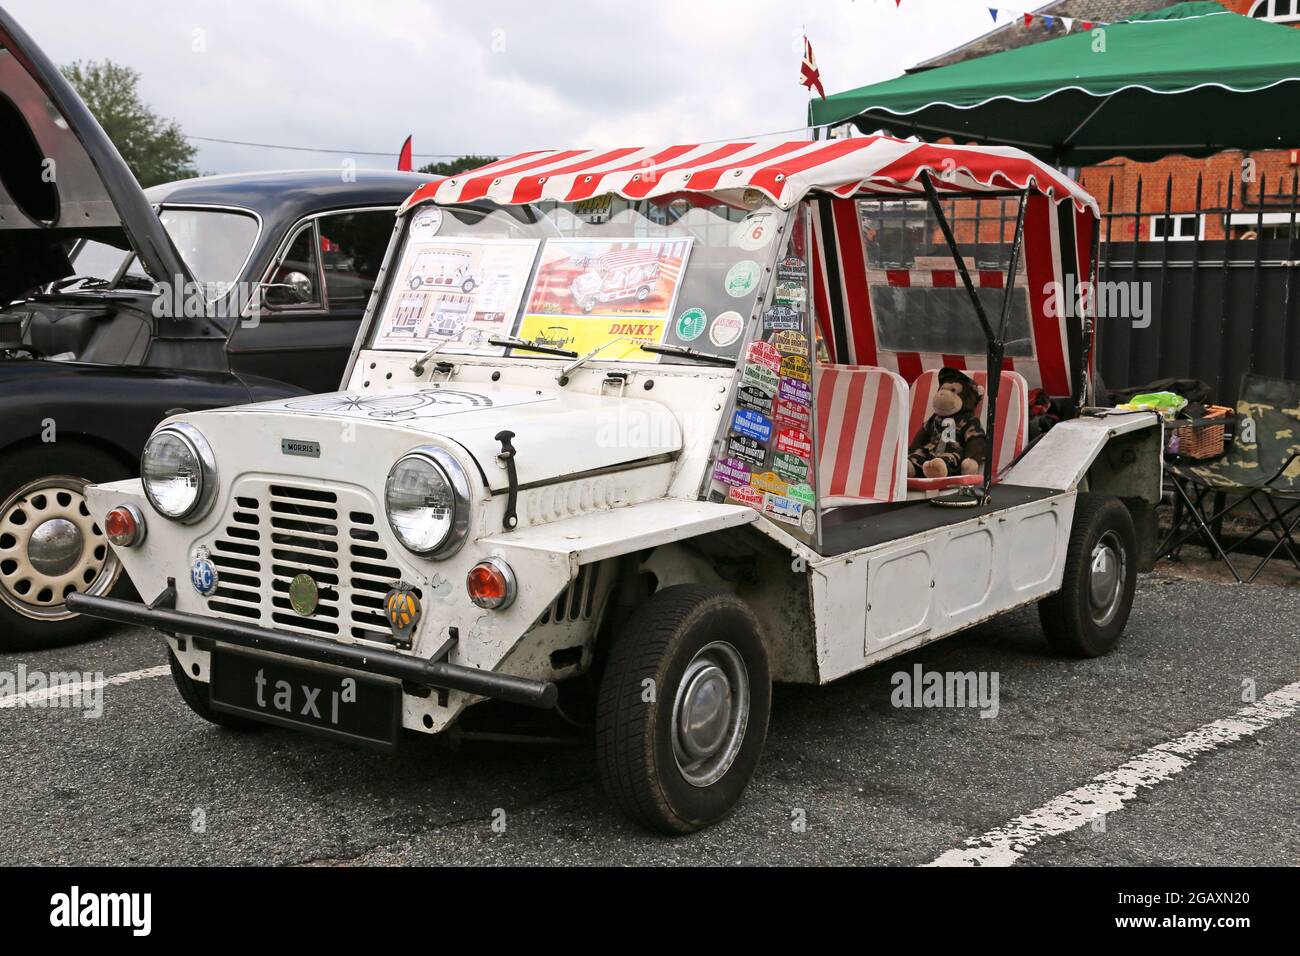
{"points": [[1047, 20]]}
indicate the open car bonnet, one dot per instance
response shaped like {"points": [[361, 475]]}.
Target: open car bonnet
{"points": [[61, 177], [556, 434]]}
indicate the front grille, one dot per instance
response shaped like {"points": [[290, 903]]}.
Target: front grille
{"points": [[275, 532]]}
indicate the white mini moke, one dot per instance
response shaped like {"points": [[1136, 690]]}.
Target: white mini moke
{"points": [[645, 511]]}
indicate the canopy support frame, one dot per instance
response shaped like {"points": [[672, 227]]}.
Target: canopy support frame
{"points": [[996, 340]]}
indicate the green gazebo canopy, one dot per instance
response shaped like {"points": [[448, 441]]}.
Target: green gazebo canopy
{"points": [[1191, 78]]}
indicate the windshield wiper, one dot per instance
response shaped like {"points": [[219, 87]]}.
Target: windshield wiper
{"points": [[578, 363], [685, 352], [509, 341], [418, 365]]}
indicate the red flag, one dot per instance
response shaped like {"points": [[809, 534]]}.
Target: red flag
{"points": [[1029, 18], [404, 157], [1087, 25], [809, 75]]}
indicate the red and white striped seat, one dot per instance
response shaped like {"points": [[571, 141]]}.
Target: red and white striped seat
{"points": [[1013, 419], [861, 435]]}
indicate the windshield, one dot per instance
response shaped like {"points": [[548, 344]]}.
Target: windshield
{"points": [[606, 274], [214, 243]]}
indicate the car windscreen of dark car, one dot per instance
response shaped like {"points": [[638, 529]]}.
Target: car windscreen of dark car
{"points": [[215, 244]]}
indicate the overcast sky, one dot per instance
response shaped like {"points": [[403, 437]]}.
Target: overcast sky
{"points": [[487, 76]]}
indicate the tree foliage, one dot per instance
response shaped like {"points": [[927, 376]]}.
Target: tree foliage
{"points": [[451, 167], [154, 147]]}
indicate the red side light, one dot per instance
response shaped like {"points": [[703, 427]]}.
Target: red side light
{"points": [[124, 526], [491, 584]]}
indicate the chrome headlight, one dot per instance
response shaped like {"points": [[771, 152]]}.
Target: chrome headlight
{"points": [[179, 473], [427, 500]]}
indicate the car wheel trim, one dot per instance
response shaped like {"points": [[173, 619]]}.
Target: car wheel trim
{"points": [[1107, 573], [48, 544], [710, 713]]}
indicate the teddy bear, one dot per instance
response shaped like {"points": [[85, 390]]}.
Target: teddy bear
{"points": [[952, 440]]}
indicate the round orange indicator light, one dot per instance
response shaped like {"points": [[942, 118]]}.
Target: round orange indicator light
{"points": [[124, 526], [491, 584]]}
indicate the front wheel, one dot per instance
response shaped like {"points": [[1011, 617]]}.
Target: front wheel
{"points": [[682, 710], [51, 546], [1087, 616]]}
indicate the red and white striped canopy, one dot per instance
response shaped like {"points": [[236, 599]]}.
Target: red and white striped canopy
{"points": [[783, 172]]}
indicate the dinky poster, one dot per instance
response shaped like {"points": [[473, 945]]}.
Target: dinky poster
{"points": [[589, 292]]}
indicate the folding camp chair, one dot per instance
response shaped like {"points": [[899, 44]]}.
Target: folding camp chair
{"points": [[1261, 471]]}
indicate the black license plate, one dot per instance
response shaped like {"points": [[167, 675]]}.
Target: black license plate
{"points": [[343, 706]]}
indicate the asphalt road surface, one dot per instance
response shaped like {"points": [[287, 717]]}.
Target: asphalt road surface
{"points": [[1181, 747]]}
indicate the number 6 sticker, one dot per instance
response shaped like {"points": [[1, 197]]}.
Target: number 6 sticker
{"points": [[755, 230]]}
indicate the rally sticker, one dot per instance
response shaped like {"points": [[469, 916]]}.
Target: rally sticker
{"points": [[751, 424], [426, 223], [742, 277], [791, 294], [802, 493], [768, 481], [751, 497], [747, 450], [764, 354], [796, 366], [783, 509], [732, 471], [791, 468], [790, 342], [725, 329], [791, 414], [795, 442], [781, 317], [762, 376], [691, 324], [808, 521], [796, 390], [754, 398], [755, 230], [792, 269]]}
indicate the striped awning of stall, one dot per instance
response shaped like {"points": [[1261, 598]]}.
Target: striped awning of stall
{"points": [[782, 172]]}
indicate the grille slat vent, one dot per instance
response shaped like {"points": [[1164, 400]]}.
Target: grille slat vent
{"points": [[274, 533]]}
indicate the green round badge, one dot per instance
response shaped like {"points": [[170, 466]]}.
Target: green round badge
{"points": [[304, 595], [691, 324], [742, 277]]}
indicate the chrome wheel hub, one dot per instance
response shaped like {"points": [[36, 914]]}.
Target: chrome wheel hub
{"points": [[710, 713], [51, 547], [1106, 574]]}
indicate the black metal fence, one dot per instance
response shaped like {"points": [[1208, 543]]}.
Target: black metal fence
{"points": [[1206, 308]]}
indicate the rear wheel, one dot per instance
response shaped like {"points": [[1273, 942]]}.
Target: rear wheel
{"points": [[50, 546], [195, 694], [682, 711], [1088, 615]]}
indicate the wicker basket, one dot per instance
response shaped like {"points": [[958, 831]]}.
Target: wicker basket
{"points": [[1203, 440]]}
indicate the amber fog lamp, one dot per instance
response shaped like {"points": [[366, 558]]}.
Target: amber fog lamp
{"points": [[124, 526], [491, 584]]}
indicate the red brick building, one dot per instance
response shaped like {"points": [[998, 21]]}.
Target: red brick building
{"points": [[1269, 178]]}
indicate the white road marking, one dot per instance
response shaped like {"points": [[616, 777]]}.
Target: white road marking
{"points": [[75, 688], [1110, 791]]}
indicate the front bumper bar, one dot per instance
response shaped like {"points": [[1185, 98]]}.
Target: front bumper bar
{"points": [[438, 674]]}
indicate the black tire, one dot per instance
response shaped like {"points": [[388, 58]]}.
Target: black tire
{"points": [[1076, 622], [195, 695], [635, 748], [27, 620]]}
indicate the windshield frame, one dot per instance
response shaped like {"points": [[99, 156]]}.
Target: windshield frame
{"points": [[528, 214], [132, 257]]}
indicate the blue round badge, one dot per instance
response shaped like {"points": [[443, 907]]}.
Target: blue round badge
{"points": [[203, 575]]}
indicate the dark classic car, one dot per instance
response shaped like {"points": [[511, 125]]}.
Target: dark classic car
{"points": [[119, 305]]}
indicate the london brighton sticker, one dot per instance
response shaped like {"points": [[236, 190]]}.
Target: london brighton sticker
{"points": [[762, 376], [795, 442], [732, 471], [781, 317], [754, 398], [748, 450], [725, 329], [742, 277], [751, 425], [764, 354], [691, 324]]}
